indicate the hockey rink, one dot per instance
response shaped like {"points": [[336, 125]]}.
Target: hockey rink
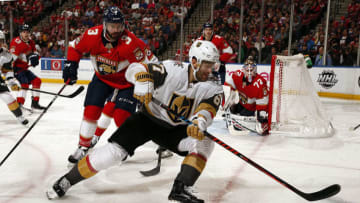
{"points": [[307, 164]]}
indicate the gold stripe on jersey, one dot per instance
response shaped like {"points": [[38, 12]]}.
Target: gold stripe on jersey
{"points": [[207, 107], [143, 77], [13, 106], [85, 169], [196, 161]]}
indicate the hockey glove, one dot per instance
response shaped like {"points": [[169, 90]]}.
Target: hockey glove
{"points": [[262, 126], [13, 84], [144, 87], [70, 72], [197, 128], [33, 59]]}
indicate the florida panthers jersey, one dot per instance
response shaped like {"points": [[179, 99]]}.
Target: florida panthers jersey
{"points": [[221, 44], [253, 96], [110, 62], [172, 87], [19, 50]]}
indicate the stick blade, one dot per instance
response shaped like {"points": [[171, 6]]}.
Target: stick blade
{"points": [[77, 92], [323, 194], [151, 172]]}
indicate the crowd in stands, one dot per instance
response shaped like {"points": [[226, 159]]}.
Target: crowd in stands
{"points": [[342, 42], [156, 22]]}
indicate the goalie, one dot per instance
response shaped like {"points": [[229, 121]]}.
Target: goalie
{"points": [[253, 96]]}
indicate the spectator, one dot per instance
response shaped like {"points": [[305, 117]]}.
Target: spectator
{"points": [[319, 58], [56, 52]]}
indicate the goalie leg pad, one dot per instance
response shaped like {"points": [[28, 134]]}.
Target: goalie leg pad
{"points": [[106, 156]]}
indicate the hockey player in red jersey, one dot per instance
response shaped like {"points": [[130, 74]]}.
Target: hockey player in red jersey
{"points": [[187, 91], [6, 69], [253, 95], [112, 48], [25, 55], [226, 52]]}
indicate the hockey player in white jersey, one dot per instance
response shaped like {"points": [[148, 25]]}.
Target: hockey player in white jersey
{"points": [[5, 68], [185, 90]]}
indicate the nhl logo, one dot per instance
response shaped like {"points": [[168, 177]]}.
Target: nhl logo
{"points": [[327, 79]]}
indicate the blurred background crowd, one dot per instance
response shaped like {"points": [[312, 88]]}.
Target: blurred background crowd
{"points": [[157, 23]]}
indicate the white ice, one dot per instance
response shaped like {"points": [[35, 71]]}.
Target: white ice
{"points": [[307, 164]]}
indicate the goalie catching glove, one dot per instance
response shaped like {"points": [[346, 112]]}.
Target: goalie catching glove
{"points": [[144, 87], [197, 128], [262, 126]]}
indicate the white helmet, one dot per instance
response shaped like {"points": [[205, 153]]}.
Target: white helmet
{"points": [[203, 51]]}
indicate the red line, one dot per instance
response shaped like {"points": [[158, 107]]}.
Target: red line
{"points": [[221, 193]]}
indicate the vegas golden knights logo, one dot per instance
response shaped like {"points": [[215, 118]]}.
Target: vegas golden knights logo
{"points": [[181, 105]]}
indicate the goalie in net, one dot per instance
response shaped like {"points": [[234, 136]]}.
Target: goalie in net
{"points": [[252, 108]]}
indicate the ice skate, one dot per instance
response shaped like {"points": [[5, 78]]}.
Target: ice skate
{"points": [[95, 139], [182, 193], [22, 120], [36, 106], [78, 154], [58, 189]]}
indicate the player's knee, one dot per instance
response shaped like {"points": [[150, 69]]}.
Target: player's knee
{"points": [[109, 109], [107, 155], [120, 116], [36, 83], [92, 113], [204, 147]]}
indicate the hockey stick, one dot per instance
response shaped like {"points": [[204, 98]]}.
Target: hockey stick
{"points": [[77, 92], [32, 126], [322, 194], [155, 170], [354, 128]]}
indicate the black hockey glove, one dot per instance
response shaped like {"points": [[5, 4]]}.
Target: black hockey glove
{"points": [[33, 59], [70, 72]]}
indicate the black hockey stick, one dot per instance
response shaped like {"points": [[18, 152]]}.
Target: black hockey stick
{"points": [[155, 170], [77, 92], [314, 196], [32, 126]]}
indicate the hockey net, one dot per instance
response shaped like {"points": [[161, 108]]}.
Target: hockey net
{"points": [[294, 105]]}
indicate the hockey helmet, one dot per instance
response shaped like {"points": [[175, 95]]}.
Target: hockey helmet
{"points": [[113, 15], [203, 51], [208, 25], [24, 27], [250, 69]]}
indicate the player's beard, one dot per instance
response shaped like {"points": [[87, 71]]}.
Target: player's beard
{"points": [[202, 76]]}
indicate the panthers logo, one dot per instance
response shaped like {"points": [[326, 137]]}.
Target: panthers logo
{"points": [[181, 105]]}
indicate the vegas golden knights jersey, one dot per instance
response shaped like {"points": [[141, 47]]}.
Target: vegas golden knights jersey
{"points": [[172, 87]]}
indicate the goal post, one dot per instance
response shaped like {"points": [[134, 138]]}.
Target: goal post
{"points": [[294, 105]]}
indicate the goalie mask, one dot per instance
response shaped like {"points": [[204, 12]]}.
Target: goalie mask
{"points": [[202, 51], [250, 70], [114, 23]]}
